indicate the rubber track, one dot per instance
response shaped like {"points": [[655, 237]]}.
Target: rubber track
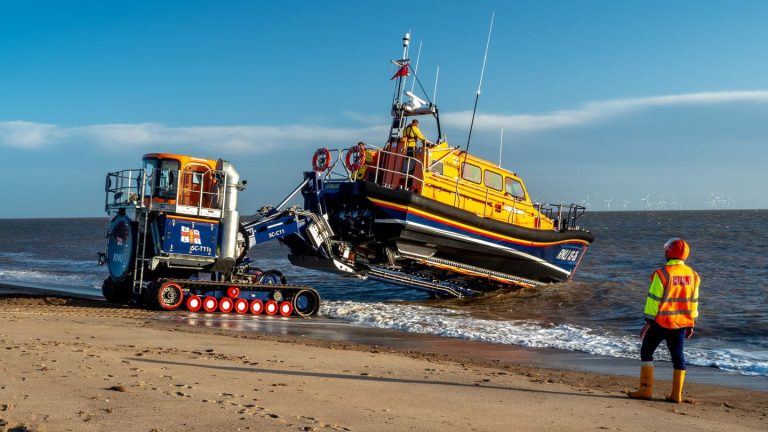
{"points": [[220, 286]]}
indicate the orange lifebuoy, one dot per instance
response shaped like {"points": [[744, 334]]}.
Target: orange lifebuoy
{"points": [[321, 161], [355, 157]]}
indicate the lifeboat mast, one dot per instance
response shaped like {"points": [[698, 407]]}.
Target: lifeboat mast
{"points": [[401, 110]]}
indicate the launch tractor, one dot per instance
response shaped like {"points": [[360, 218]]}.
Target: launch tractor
{"points": [[175, 240]]}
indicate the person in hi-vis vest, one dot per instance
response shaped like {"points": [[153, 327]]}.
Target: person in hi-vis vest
{"points": [[412, 134], [671, 309]]}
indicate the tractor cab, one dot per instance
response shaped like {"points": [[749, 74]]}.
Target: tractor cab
{"points": [[170, 183], [183, 184]]}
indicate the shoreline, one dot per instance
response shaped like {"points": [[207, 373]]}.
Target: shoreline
{"points": [[328, 329], [86, 365]]}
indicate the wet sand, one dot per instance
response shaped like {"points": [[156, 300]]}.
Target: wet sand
{"points": [[82, 365]]}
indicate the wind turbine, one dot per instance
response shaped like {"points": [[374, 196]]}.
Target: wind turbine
{"points": [[608, 203], [715, 200], [626, 204], [647, 202], [585, 202]]}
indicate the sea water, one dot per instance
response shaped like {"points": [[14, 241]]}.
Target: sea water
{"points": [[599, 312]]}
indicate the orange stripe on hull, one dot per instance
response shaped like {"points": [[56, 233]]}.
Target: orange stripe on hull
{"points": [[460, 225]]}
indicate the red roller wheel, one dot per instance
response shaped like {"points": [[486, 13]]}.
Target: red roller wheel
{"points": [[233, 292], [210, 304], [257, 307], [270, 307], [169, 296], [226, 304], [194, 303], [286, 308], [241, 306]]}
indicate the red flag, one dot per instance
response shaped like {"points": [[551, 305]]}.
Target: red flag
{"points": [[403, 71]]}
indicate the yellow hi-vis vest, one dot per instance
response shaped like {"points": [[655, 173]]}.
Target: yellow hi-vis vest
{"points": [[411, 134], [673, 298]]}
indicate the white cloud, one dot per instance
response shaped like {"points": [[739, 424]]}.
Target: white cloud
{"points": [[599, 111], [259, 138], [23, 134], [244, 139]]}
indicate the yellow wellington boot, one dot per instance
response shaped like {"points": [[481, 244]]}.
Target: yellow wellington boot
{"points": [[646, 382], [678, 378]]}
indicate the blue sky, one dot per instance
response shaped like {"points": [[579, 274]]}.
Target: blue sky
{"points": [[600, 101]]}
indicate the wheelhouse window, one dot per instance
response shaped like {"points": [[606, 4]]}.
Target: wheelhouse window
{"points": [[514, 188], [437, 168], [492, 180], [471, 172]]}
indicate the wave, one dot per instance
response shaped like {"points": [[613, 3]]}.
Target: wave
{"points": [[58, 279], [528, 333]]}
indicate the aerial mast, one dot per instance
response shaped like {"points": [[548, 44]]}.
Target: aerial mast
{"points": [[480, 84], [401, 75], [474, 110]]}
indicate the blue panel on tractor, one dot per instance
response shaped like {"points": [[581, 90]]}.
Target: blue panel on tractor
{"points": [[190, 236], [274, 229]]}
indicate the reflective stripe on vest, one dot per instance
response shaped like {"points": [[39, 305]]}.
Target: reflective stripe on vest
{"points": [[676, 307]]}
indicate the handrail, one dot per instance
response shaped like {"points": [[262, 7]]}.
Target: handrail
{"points": [[481, 195], [136, 188], [440, 159], [405, 158]]}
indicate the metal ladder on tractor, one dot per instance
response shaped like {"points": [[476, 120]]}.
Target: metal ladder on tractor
{"points": [[140, 260]]}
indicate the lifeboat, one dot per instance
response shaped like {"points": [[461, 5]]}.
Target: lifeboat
{"points": [[430, 215]]}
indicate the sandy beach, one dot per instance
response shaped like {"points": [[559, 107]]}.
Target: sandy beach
{"points": [[82, 365]]}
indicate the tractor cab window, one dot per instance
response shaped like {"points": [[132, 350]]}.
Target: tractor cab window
{"points": [[150, 166], [162, 178], [514, 188], [167, 178]]}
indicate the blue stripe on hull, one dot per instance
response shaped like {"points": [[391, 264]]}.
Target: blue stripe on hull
{"points": [[562, 257]]}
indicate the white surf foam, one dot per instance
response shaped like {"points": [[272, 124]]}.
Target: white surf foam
{"points": [[42, 278], [527, 333]]}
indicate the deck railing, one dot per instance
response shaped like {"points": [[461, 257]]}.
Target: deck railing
{"points": [[396, 170], [187, 192]]}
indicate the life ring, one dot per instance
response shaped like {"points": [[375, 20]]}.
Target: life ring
{"points": [[321, 161], [355, 157]]}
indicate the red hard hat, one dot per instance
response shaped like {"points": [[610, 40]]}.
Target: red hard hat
{"points": [[676, 248]]}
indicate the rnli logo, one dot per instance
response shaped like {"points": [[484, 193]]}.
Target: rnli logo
{"points": [[190, 235], [681, 280]]}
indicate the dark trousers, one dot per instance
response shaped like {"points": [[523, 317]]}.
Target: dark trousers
{"points": [[675, 342]]}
